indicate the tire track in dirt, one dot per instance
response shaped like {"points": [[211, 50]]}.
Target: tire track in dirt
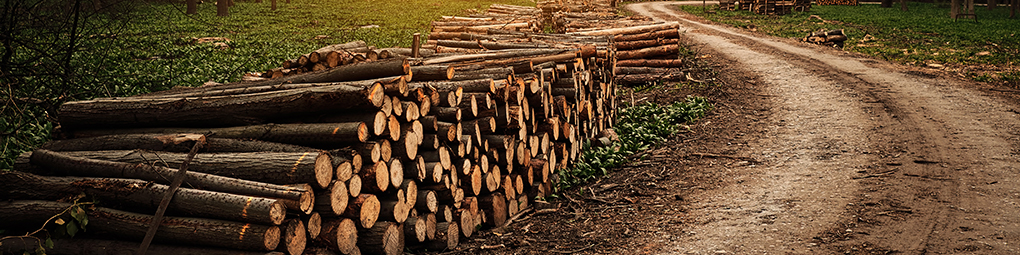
{"points": [[863, 159]]}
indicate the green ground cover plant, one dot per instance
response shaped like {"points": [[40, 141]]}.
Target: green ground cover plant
{"points": [[76, 50], [640, 127], [985, 49]]}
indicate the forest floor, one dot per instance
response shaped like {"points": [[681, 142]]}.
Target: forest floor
{"points": [[811, 150]]}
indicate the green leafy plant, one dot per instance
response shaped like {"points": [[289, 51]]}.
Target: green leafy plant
{"points": [[639, 127], [69, 226]]}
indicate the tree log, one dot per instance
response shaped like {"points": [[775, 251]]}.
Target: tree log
{"points": [[383, 238], [270, 167], [100, 168], [339, 234], [170, 143], [333, 201], [364, 208], [230, 110], [294, 237], [82, 246], [376, 177], [324, 134], [669, 49]]}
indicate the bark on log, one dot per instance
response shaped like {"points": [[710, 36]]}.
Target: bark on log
{"points": [[324, 135], [82, 246], [663, 34], [447, 236], [132, 193], [431, 73], [231, 110], [630, 30], [332, 201], [270, 167], [127, 225], [415, 229], [426, 201], [339, 234], [383, 238], [376, 177], [100, 168], [169, 142], [313, 224], [630, 45]]}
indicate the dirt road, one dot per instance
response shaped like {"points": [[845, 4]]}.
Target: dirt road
{"points": [[856, 156]]}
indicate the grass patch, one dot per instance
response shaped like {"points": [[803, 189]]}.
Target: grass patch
{"points": [[142, 47], [925, 34], [640, 127]]}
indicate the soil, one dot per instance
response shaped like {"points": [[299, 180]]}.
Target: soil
{"points": [[810, 150]]}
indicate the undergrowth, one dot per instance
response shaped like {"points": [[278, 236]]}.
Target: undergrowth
{"points": [[639, 127]]}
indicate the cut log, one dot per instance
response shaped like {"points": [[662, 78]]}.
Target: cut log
{"points": [[169, 143], [139, 194], [326, 135], [100, 168], [447, 236], [396, 171], [271, 167], [383, 238], [364, 209], [449, 132], [414, 229], [339, 234], [426, 201], [333, 201], [221, 111], [375, 178], [669, 49], [630, 45], [354, 186], [494, 208], [431, 73], [466, 220], [394, 210], [294, 237], [660, 34], [132, 226], [83, 246], [313, 224]]}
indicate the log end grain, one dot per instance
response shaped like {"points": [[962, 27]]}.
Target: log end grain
{"points": [[323, 170]]}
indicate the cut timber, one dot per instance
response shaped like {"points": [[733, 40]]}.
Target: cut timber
{"points": [[415, 229], [449, 132], [313, 224], [354, 185], [675, 63], [333, 201], [383, 238], [396, 171], [353, 72], [364, 209], [294, 237], [394, 210], [426, 201], [376, 121], [631, 79], [322, 134], [169, 143], [371, 150], [630, 30], [127, 225], [376, 177], [270, 167], [494, 208], [101, 168], [661, 34], [340, 234], [82, 246], [131, 193], [236, 110], [669, 49], [630, 45], [447, 236], [431, 73], [466, 220]]}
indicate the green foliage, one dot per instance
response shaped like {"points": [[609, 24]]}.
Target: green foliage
{"points": [[924, 34], [640, 127], [133, 47]]}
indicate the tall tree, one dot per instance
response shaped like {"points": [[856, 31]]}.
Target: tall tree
{"points": [[886, 3], [903, 5], [992, 4]]}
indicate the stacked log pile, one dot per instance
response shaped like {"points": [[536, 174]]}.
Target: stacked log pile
{"points": [[417, 149]]}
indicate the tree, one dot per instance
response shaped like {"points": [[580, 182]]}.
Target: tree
{"points": [[192, 7], [221, 7]]}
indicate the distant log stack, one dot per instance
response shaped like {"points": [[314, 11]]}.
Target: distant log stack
{"points": [[360, 150], [833, 38]]}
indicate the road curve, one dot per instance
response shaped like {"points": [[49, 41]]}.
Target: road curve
{"points": [[864, 157]]}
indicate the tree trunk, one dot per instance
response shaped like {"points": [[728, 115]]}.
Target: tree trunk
{"points": [[886, 3], [138, 194], [230, 110], [270, 167], [365, 209], [903, 6], [431, 73], [954, 8], [339, 234], [195, 231], [294, 237], [91, 167], [669, 49], [169, 143], [383, 238], [992, 4], [273, 6], [326, 135], [630, 45], [192, 7]]}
